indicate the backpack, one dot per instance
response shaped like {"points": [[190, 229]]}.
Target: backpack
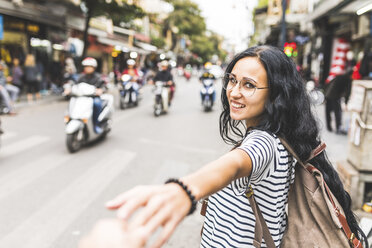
{"points": [[315, 218]]}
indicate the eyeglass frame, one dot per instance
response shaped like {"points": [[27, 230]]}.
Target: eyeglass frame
{"points": [[227, 80]]}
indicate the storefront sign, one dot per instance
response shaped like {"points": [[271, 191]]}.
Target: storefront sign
{"points": [[1, 28]]}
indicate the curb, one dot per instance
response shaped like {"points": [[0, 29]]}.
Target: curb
{"points": [[44, 100]]}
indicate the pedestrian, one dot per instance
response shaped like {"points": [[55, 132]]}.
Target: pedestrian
{"points": [[339, 87], [8, 93], [31, 75], [17, 74], [263, 98]]}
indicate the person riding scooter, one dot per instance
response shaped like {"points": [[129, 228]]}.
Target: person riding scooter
{"points": [[165, 75], [207, 75], [90, 76]]}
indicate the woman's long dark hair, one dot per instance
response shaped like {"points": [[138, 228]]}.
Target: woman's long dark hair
{"points": [[287, 114]]}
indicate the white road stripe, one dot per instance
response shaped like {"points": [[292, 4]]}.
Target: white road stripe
{"points": [[19, 178], [22, 145], [7, 135], [47, 224]]}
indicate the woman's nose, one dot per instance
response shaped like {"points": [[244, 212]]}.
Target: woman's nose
{"points": [[235, 91]]}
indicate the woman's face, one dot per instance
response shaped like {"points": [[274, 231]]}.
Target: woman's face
{"points": [[242, 106]]}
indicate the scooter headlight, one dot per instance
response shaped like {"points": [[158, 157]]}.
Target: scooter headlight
{"points": [[210, 91], [203, 91]]}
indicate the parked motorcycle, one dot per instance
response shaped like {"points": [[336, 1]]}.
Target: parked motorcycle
{"points": [[161, 98], [207, 93], [128, 92], [80, 128]]}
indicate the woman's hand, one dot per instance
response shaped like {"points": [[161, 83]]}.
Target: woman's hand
{"points": [[163, 206]]}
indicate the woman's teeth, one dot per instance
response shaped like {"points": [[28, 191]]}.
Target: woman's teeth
{"points": [[237, 105]]}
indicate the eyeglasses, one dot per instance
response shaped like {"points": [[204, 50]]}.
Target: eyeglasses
{"points": [[247, 85]]}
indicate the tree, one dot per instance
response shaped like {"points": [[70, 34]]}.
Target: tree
{"points": [[117, 10], [186, 16]]}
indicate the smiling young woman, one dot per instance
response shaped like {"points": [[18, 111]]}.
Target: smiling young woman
{"points": [[263, 98]]}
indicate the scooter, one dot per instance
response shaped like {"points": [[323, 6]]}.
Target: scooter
{"points": [[161, 98], [128, 92], [80, 128], [207, 93]]}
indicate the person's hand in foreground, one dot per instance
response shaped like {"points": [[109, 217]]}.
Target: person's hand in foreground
{"points": [[112, 233], [162, 206]]}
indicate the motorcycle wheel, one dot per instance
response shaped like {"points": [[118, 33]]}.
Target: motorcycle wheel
{"points": [[73, 144], [122, 103]]}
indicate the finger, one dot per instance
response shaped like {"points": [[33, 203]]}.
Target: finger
{"points": [[119, 200], [152, 207], [165, 234], [125, 211]]}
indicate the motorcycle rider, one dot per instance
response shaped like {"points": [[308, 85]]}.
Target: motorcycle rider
{"points": [[133, 72], [90, 76], [165, 75], [207, 75]]}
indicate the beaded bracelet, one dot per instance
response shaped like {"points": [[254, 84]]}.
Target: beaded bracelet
{"points": [[188, 192]]}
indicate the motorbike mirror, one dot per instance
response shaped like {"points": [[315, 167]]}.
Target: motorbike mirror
{"points": [[126, 77]]}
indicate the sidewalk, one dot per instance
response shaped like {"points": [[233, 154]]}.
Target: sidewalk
{"points": [[45, 99]]}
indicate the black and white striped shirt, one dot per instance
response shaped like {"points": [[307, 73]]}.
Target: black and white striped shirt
{"points": [[229, 220]]}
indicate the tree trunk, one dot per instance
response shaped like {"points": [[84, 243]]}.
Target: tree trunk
{"points": [[87, 20]]}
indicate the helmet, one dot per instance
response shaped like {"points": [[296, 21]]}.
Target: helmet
{"points": [[208, 65], [164, 63], [131, 62], [89, 61]]}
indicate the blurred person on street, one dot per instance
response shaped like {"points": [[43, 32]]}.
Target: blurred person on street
{"points": [[132, 71], [17, 74], [263, 98], [8, 93], [31, 74], [207, 75], [90, 76], [165, 75], [337, 88]]}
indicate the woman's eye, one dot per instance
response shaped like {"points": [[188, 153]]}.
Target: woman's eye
{"points": [[249, 85], [232, 80]]}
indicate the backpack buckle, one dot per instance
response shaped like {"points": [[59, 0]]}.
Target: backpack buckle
{"points": [[249, 192]]}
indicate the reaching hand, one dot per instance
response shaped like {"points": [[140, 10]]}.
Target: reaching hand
{"points": [[99, 91], [111, 233], [162, 206]]}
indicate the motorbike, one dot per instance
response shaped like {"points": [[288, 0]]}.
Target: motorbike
{"points": [[128, 92], [207, 93], [80, 128], [161, 98]]}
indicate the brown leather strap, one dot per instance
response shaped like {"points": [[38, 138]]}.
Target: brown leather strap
{"points": [[319, 149], [261, 228]]}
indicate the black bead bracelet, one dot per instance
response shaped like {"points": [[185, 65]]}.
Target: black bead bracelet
{"points": [[188, 192]]}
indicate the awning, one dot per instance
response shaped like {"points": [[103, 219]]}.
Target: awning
{"points": [[146, 46], [323, 8], [354, 6], [112, 42], [36, 13]]}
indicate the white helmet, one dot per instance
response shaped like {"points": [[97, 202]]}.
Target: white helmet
{"points": [[89, 61], [164, 63], [131, 62]]}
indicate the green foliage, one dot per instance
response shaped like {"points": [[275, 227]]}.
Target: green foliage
{"points": [[186, 16], [262, 3], [118, 13], [159, 42]]}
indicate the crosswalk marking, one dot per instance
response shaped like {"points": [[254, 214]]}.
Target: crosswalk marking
{"points": [[20, 177], [7, 136], [22, 145], [55, 216]]}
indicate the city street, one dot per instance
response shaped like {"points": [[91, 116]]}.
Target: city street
{"points": [[50, 198]]}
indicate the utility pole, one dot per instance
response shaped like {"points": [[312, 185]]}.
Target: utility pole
{"points": [[283, 26]]}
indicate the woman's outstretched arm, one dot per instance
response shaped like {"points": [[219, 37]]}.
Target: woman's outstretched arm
{"points": [[166, 205]]}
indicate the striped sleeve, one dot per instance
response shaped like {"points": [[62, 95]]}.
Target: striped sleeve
{"points": [[259, 146]]}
